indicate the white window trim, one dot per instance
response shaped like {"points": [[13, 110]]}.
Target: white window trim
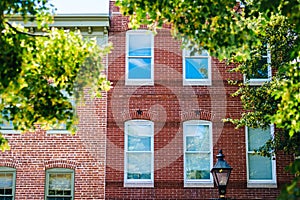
{"points": [[204, 82], [139, 81], [138, 183], [261, 183], [197, 183], [61, 171], [8, 129], [10, 170], [260, 81]]}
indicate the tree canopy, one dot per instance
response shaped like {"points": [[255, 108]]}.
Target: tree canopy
{"points": [[241, 32], [40, 71]]}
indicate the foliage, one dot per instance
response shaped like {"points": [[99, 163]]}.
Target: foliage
{"points": [[243, 36], [40, 72]]}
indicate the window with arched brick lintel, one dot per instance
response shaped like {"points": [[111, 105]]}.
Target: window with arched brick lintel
{"points": [[7, 183], [139, 153], [198, 156]]}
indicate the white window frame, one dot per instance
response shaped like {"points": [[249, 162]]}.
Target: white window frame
{"points": [[260, 183], [204, 82], [138, 182], [260, 81], [59, 171], [63, 130], [198, 183], [13, 171], [139, 81], [8, 129]]}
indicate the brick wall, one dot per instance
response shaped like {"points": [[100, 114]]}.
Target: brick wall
{"points": [[168, 103], [33, 153]]}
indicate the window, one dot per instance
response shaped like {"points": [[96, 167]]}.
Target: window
{"points": [[6, 127], [139, 154], [196, 68], [7, 183], [139, 58], [59, 184], [197, 153], [61, 128], [261, 171], [263, 71]]}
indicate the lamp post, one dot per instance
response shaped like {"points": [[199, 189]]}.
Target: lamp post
{"points": [[221, 172]]}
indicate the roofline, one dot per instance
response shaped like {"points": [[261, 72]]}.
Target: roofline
{"points": [[69, 20]]}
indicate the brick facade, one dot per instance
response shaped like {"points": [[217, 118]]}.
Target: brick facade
{"points": [[32, 154], [168, 104]]}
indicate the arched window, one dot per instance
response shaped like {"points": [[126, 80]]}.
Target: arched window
{"points": [[7, 183], [198, 158], [59, 184], [139, 154]]}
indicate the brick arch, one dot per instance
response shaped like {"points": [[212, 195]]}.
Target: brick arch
{"points": [[60, 163], [137, 114], [197, 115], [6, 162]]}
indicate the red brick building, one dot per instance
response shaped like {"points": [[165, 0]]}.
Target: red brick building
{"points": [[54, 164], [164, 125], [155, 135]]}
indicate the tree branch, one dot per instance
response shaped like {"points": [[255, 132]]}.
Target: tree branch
{"points": [[25, 33]]}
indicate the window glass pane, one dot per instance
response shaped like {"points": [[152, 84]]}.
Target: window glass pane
{"points": [[139, 143], [261, 69], [200, 139], [196, 68], [260, 168], [6, 180], [195, 54], [137, 129], [6, 198], [139, 165], [59, 181], [257, 137], [4, 124], [197, 166], [140, 44], [139, 68]]}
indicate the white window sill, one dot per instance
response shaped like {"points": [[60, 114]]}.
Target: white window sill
{"points": [[261, 185], [139, 184], [197, 82], [139, 82], [9, 131], [207, 184], [257, 81]]}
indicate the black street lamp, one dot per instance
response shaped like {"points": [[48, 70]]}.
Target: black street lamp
{"points": [[221, 172]]}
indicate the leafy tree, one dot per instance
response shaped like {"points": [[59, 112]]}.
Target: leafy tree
{"points": [[240, 35], [39, 72]]}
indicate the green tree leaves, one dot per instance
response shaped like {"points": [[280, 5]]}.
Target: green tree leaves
{"points": [[39, 72]]}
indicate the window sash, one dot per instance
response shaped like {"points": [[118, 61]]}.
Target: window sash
{"points": [[197, 153], [196, 68], [260, 170], [139, 133], [67, 192], [268, 74], [139, 59], [7, 182]]}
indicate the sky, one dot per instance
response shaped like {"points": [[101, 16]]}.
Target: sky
{"points": [[80, 6]]}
